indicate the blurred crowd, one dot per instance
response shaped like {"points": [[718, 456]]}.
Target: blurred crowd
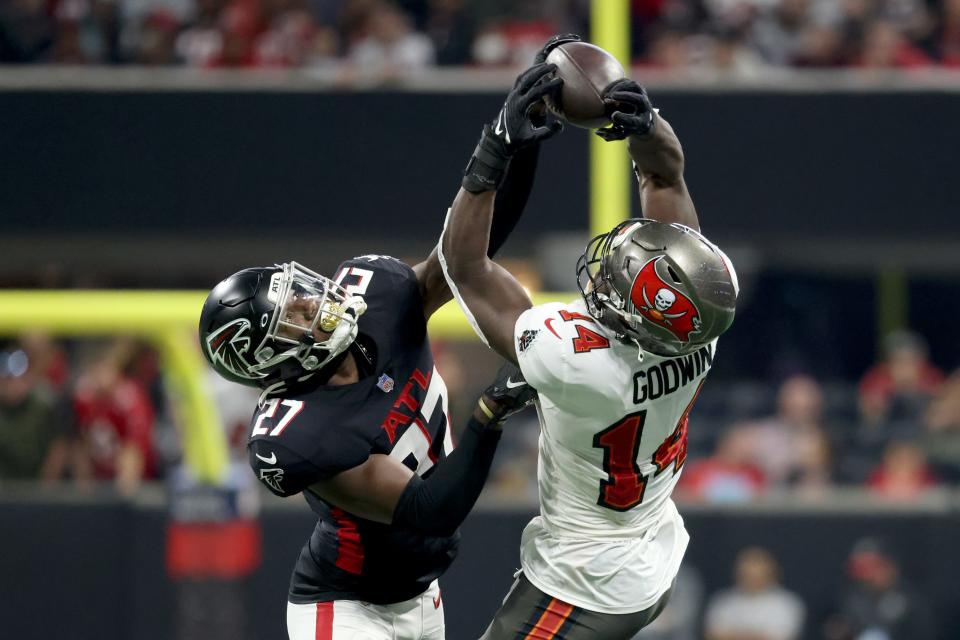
{"points": [[388, 37], [96, 413], [88, 411], [874, 600]]}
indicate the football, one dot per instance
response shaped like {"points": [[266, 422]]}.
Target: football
{"points": [[586, 70]]}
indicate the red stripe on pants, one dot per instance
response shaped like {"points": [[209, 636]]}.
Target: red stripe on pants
{"points": [[324, 621]]}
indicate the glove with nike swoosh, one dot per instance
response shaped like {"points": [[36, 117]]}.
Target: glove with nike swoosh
{"points": [[519, 124], [508, 394]]}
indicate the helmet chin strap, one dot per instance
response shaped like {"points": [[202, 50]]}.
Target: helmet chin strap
{"points": [[606, 309]]}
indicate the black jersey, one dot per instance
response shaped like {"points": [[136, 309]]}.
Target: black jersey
{"points": [[300, 438]]}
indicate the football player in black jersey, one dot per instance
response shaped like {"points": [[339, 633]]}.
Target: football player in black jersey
{"points": [[354, 416]]}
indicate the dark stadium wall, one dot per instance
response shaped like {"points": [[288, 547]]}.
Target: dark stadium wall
{"points": [[828, 165], [96, 570]]}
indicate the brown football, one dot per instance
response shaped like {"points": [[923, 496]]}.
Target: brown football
{"points": [[586, 71]]}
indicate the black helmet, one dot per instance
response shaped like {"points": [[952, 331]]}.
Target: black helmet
{"points": [[268, 326], [661, 284]]}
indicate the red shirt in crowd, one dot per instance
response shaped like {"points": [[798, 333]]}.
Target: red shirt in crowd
{"points": [[894, 484], [879, 381], [108, 420], [716, 480]]}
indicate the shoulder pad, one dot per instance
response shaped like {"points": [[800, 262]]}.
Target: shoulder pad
{"points": [[561, 350]]}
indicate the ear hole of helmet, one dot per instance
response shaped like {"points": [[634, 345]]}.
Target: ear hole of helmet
{"points": [[673, 275]]}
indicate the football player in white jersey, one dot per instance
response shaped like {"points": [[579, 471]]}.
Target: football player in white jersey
{"points": [[617, 373]]}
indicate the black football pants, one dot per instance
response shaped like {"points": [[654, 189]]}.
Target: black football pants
{"points": [[530, 613]]}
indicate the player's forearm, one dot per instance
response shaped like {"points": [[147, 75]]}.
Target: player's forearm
{"points": [[658, 155], [439, 504], [512, 196], [489, 295], [508, 206], [505, 157], [466, 238], [658, 159]]}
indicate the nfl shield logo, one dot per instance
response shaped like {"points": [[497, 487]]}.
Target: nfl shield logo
{"points": [[385, 383]]}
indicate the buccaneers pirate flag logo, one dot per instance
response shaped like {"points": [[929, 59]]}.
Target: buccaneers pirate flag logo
{"points": [[663, 305]]}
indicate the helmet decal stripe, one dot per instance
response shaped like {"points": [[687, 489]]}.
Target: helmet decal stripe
{"points": [[662, 304]]}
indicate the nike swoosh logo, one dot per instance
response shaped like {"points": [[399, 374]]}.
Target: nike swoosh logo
{"points": [[513, 385], [271, 460], [501, 127], [550, 326]]}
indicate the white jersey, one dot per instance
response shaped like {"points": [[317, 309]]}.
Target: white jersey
{"points": [[612, 444]]}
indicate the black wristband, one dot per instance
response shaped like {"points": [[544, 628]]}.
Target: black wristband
{"points": [[488, 164]]}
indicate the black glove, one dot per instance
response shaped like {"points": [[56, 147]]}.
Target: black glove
{"points": [[508, 394], [538, 114], [512, 125], [629, 108], [513, 129], [552, 44]]}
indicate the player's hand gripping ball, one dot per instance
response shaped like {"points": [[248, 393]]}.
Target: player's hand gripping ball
{"points": [[630, 110], [519, 124], [553, 43], [586, 70]]}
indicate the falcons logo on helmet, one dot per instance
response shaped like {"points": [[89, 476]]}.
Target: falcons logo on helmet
{"points": [[227, 345], [667, 307]]}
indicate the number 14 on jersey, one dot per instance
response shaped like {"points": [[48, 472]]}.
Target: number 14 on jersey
{"points": [[623, 488]]}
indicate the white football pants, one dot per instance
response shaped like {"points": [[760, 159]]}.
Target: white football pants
{"points": [[419, 618]]}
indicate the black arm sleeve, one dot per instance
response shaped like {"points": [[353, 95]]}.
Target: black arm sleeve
{"points": [[437, 505], [512, 196]]}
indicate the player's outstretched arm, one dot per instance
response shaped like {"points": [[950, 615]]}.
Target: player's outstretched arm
{"points": [[490, 296], [383, 489], [508, 206], [509, 202], [655, 150]]}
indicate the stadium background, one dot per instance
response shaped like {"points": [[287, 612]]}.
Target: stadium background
{"points": [[151, 147]]}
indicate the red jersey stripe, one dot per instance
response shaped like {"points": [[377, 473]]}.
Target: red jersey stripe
{"points": [[349, 546]]}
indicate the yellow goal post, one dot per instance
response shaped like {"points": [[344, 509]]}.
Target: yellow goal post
{"points": [[168, 320], [610, 180]]}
